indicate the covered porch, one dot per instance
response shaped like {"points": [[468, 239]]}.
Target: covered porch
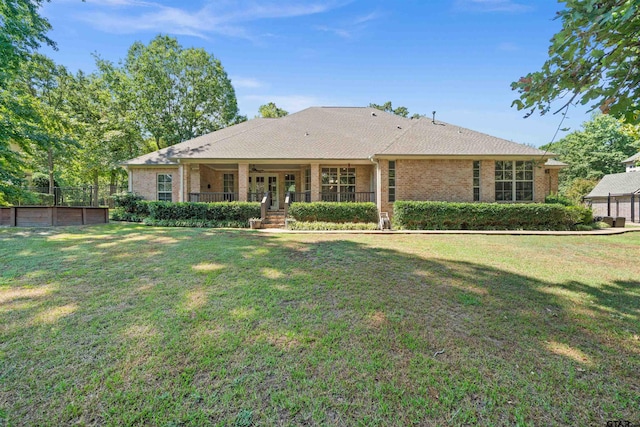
{"points": [[293, 182]]}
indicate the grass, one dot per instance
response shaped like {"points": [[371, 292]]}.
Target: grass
{"points": [[135, 325]]}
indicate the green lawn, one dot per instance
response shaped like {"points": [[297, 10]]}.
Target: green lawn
{"points": [[134, 325]]}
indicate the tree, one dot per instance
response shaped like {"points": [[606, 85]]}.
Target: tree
{"points": [[47, 84], [271, 110], [22, 31], [178, 93], [593, 152], [400, 111], [594, 58]]}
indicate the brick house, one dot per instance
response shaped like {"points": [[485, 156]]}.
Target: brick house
{"points": [[345, 154]]}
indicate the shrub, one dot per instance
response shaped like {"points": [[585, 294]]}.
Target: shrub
{"points": [[485, 216], [129, 207], [210, 213], [334, 212], [560, 199], [319, 225], [194, 223]]}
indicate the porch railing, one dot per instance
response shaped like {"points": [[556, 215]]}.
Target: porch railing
{"points": [[357, 197], [304, 196], [255, 197], [213, 197]]}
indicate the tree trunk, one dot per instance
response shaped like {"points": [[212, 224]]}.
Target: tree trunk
{"points": [[157, 142], [95, 189], [50, 167]]}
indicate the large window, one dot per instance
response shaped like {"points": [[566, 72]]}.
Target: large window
{"points": [[164, 187], [289, 183], [476, 181], [392, 181], [338, 184], [514, 181], [228, 186]]}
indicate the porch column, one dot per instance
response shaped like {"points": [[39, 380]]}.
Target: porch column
{"points": [[194, 184], [315, 182], [129, 181], [182, 176], [378, 183], [243, 181]]}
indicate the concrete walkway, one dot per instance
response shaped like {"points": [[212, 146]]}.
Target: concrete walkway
{"points": [[602, 232]]}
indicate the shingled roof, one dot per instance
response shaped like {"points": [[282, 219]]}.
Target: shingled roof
{"points": [[616, 183], [338, 133]]}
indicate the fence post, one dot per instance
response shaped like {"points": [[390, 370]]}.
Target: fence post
{"points": [[609, 204]]}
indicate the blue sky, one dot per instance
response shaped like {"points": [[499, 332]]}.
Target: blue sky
{"points": [[457, 57]]}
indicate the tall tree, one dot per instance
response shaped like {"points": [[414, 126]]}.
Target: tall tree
{"points": [[594, 58], [178, 93], [594, 151], [48, 84], [271, 110], [22, 31]]}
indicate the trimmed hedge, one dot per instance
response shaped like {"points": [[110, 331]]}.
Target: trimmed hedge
{"points": [[334, 212], [129, 207], [194, 223], [319, 225], [486, 216], [219, 212]]}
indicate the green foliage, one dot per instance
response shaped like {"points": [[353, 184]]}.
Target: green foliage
{"points": [[578, 188], [585, 215], [593, 59], [176, 93], [558, 198], [197, 223], [129, 207], [321, 225], [271, 110], [41, 180], [485, 216], [399, 111], [334, 212], [594, 151], [222, 211]]}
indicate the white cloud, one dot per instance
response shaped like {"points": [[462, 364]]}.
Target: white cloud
{"points": [[351, 28], [491, 6], [226, 18], [246, 82]]}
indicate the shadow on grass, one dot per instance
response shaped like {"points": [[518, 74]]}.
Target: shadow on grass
{"points": [[134, 325]]}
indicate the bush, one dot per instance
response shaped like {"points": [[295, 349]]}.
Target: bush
{"points": [[129, 207], [334, 212], [194, 223], [319, 225], [585, 214], [485, 216], [557, 198], [209, 213]]}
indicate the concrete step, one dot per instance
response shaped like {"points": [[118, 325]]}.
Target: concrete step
{"points": [[266, 225]]}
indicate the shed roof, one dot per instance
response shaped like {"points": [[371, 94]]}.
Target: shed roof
{"points": [[616, 183]]}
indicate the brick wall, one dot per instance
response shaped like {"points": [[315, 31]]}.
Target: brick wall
{"points": [[551, 181], [144, 182], [437, 180]]}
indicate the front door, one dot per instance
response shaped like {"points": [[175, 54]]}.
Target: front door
{"points": [[261, 183]]}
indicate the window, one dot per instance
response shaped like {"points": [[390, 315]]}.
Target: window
{"points": [[514, 181], [476, 181], [392, 181], [307, 180], [289, 183], [338, 184], [228, 186], [164, 187]]}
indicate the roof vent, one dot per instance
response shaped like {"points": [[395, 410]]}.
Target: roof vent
{"points": [[373, 114], [434, 117], [399, 127], [306, 134]]}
